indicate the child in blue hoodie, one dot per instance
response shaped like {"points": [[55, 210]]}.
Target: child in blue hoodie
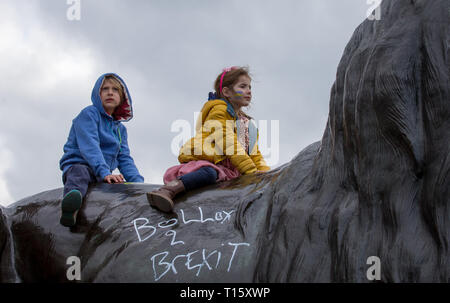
{"points": [[97, 145]]}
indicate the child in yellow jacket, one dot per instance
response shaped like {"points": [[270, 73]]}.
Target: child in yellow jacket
{"points": [[225, 145]]}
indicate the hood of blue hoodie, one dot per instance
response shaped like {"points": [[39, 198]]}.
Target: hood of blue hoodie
{"points": [[125, 108]]}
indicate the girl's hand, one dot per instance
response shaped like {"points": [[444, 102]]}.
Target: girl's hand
{"points": [[114, 179]]}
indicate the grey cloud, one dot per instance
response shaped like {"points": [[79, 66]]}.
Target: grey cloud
{"points": [[170, 52]]}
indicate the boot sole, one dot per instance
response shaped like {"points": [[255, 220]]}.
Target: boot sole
{"points": [[70, 205], [160, 202]]}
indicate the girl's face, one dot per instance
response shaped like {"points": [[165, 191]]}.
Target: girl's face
{"points": [[241, 93]]}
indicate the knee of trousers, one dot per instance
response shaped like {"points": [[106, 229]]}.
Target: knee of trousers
{"points": [[209, 174]]}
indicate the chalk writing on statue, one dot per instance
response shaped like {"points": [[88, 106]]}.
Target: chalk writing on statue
{"points": [[145, 231], [194, 260], [217, 217], [162, 263], [174, 234]]}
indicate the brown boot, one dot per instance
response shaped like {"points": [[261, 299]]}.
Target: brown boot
{"points": [[162, 198]]}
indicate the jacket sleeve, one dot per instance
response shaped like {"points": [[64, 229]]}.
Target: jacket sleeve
{"points": [[126, 162], [259, 161], [226, 142], [86, 133], [258, 158]]}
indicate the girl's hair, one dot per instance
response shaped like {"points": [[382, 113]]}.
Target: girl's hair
{"points": [[228, 78], [117, 85]]}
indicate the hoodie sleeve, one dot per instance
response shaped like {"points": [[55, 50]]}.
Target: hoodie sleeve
{"points": [[126, 162], [86, 132]]}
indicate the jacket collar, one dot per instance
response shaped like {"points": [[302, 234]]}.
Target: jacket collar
{"points": [[230, 109]]}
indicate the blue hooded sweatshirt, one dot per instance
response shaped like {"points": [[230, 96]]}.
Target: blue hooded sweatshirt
{"points": [[99, 140]]}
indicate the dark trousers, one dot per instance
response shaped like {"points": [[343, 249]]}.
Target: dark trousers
{"points": [[203, 176], [78, 176]]}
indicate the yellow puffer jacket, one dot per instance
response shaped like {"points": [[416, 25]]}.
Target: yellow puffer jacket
{"points": [[216, 139]]}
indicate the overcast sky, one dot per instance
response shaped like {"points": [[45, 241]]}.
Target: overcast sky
{"points": [[169, 52]]}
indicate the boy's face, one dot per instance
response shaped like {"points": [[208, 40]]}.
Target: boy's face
{"points": [[110, 96]]}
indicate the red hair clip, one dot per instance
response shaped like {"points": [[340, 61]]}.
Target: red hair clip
{"points": [[225, 70]]}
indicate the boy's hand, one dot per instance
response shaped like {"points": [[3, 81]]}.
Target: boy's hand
{"points": [[114, 179]]}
